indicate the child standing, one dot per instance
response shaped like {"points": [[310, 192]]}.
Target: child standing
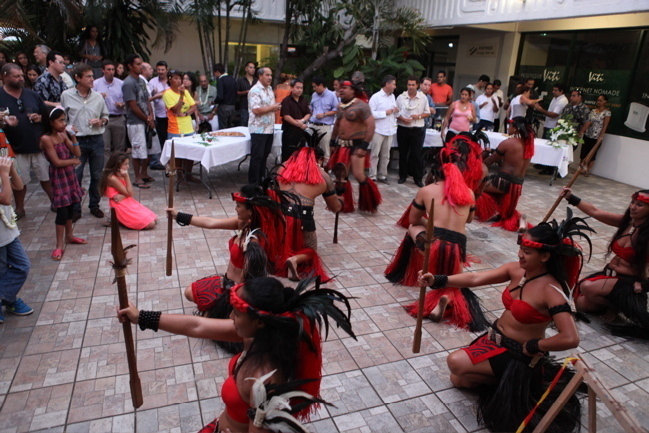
{"points": [[61, 149], [116, 185]]}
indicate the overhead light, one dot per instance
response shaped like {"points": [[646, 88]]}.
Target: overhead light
{"points": [[450, 44]]}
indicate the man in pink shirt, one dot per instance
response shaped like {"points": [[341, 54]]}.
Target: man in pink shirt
{"points": [[441, 92]]}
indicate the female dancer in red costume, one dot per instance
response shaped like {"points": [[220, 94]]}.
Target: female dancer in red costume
{"points": [[279, 328], [501, 195], [623, 284], [453, 210], [255, 250], [509, 362]]}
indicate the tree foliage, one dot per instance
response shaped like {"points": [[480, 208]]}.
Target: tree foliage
{"points": [[330, 32]]}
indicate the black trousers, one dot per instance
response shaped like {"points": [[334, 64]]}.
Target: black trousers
{"points": [[260, 146], [161, 125], [411, 142]]}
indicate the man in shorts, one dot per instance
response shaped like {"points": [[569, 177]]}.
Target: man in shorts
{"points": [[139, 118], [28, 108]]}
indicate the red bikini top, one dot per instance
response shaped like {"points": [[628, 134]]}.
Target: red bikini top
{"points": [[235, 406], [236, 253], [521, 310], [625, 253]]}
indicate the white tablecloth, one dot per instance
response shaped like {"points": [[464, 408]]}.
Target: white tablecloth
{"points": [[432, 139], [219, 152], [544, 153]]}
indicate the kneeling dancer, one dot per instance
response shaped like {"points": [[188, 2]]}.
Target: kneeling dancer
{"points": [[350, 139], [301, 180], [622, 285], [255, 250], [279, 328], [453, 210], [504, 188], [509, 364]]}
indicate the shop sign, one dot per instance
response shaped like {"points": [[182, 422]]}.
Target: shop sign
{"points": [[482, 50]]}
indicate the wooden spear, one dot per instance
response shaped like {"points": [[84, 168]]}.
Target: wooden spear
{"points": [[582, 167], [170, 204], [120, 263], [430, 228]]}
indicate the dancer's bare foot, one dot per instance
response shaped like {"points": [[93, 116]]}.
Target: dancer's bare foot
{"points": [[522, 225], [438, 312], [291, 264]]}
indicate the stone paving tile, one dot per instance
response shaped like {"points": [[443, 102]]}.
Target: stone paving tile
{"points": [[64, 369]]}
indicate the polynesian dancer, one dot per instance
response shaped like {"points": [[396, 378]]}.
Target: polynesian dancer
{"points": [[509, 364], [350, 140], [255, 250], [501, 194], [453, 210], [623, 284], [468, 152], [280, 331], [301, 179]]}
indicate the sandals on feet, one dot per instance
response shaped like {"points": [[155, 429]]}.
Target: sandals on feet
{"points": [[75, 240], [57, 255], [148, 179], [142, 185]]}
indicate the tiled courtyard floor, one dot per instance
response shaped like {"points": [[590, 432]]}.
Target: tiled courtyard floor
{"points": [[63, 369]]}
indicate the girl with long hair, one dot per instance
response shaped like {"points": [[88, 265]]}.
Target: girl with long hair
{"points": [[116, 185], [256, 250], [509, 364], [621, 287], [61, 150], [279, 328]]}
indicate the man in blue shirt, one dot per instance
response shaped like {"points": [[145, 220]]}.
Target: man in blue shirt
{"points": [[324, 105]]}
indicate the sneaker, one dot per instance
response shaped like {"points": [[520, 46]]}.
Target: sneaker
{"points": [[18, 307]]}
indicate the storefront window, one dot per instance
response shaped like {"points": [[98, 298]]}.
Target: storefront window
{"points": [[596, 62]]}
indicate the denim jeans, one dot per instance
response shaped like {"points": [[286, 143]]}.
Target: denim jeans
{"points": [[14, 267], [92, 152]]}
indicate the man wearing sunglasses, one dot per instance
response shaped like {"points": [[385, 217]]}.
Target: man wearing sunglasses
{"points": [[50, 86], [27, 107]]}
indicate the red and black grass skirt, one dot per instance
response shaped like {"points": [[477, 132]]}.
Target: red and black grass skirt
{"points": [[369, 196], [294, 245], [447, 256]]}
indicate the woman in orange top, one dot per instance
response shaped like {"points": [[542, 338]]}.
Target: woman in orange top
{"points": [[282, 91]]}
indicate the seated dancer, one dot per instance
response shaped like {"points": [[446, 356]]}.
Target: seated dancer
{"points": [[303, 177], [510, 362], [623, 284], [255, 250], [350, 139], [501, 194], [453, 210], [279, 328]]}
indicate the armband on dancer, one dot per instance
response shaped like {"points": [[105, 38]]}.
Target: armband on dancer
{"points": [[149, 320], [532, 346], [183, 219], [439, 281], [573, 200]]}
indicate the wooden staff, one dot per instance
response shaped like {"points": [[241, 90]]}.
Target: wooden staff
{"points": [[430, 228], [582, 167], [170, 204], [336, 228], [120, 262]]}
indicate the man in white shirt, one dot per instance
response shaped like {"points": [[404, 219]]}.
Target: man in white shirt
{"points": [[558, 103], [413, 109], [384, 109], [157, 86], [488, 107], [500, 96]]}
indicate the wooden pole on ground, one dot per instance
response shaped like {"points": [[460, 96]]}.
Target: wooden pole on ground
{"points": [[170, 204], [430, 228]]}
